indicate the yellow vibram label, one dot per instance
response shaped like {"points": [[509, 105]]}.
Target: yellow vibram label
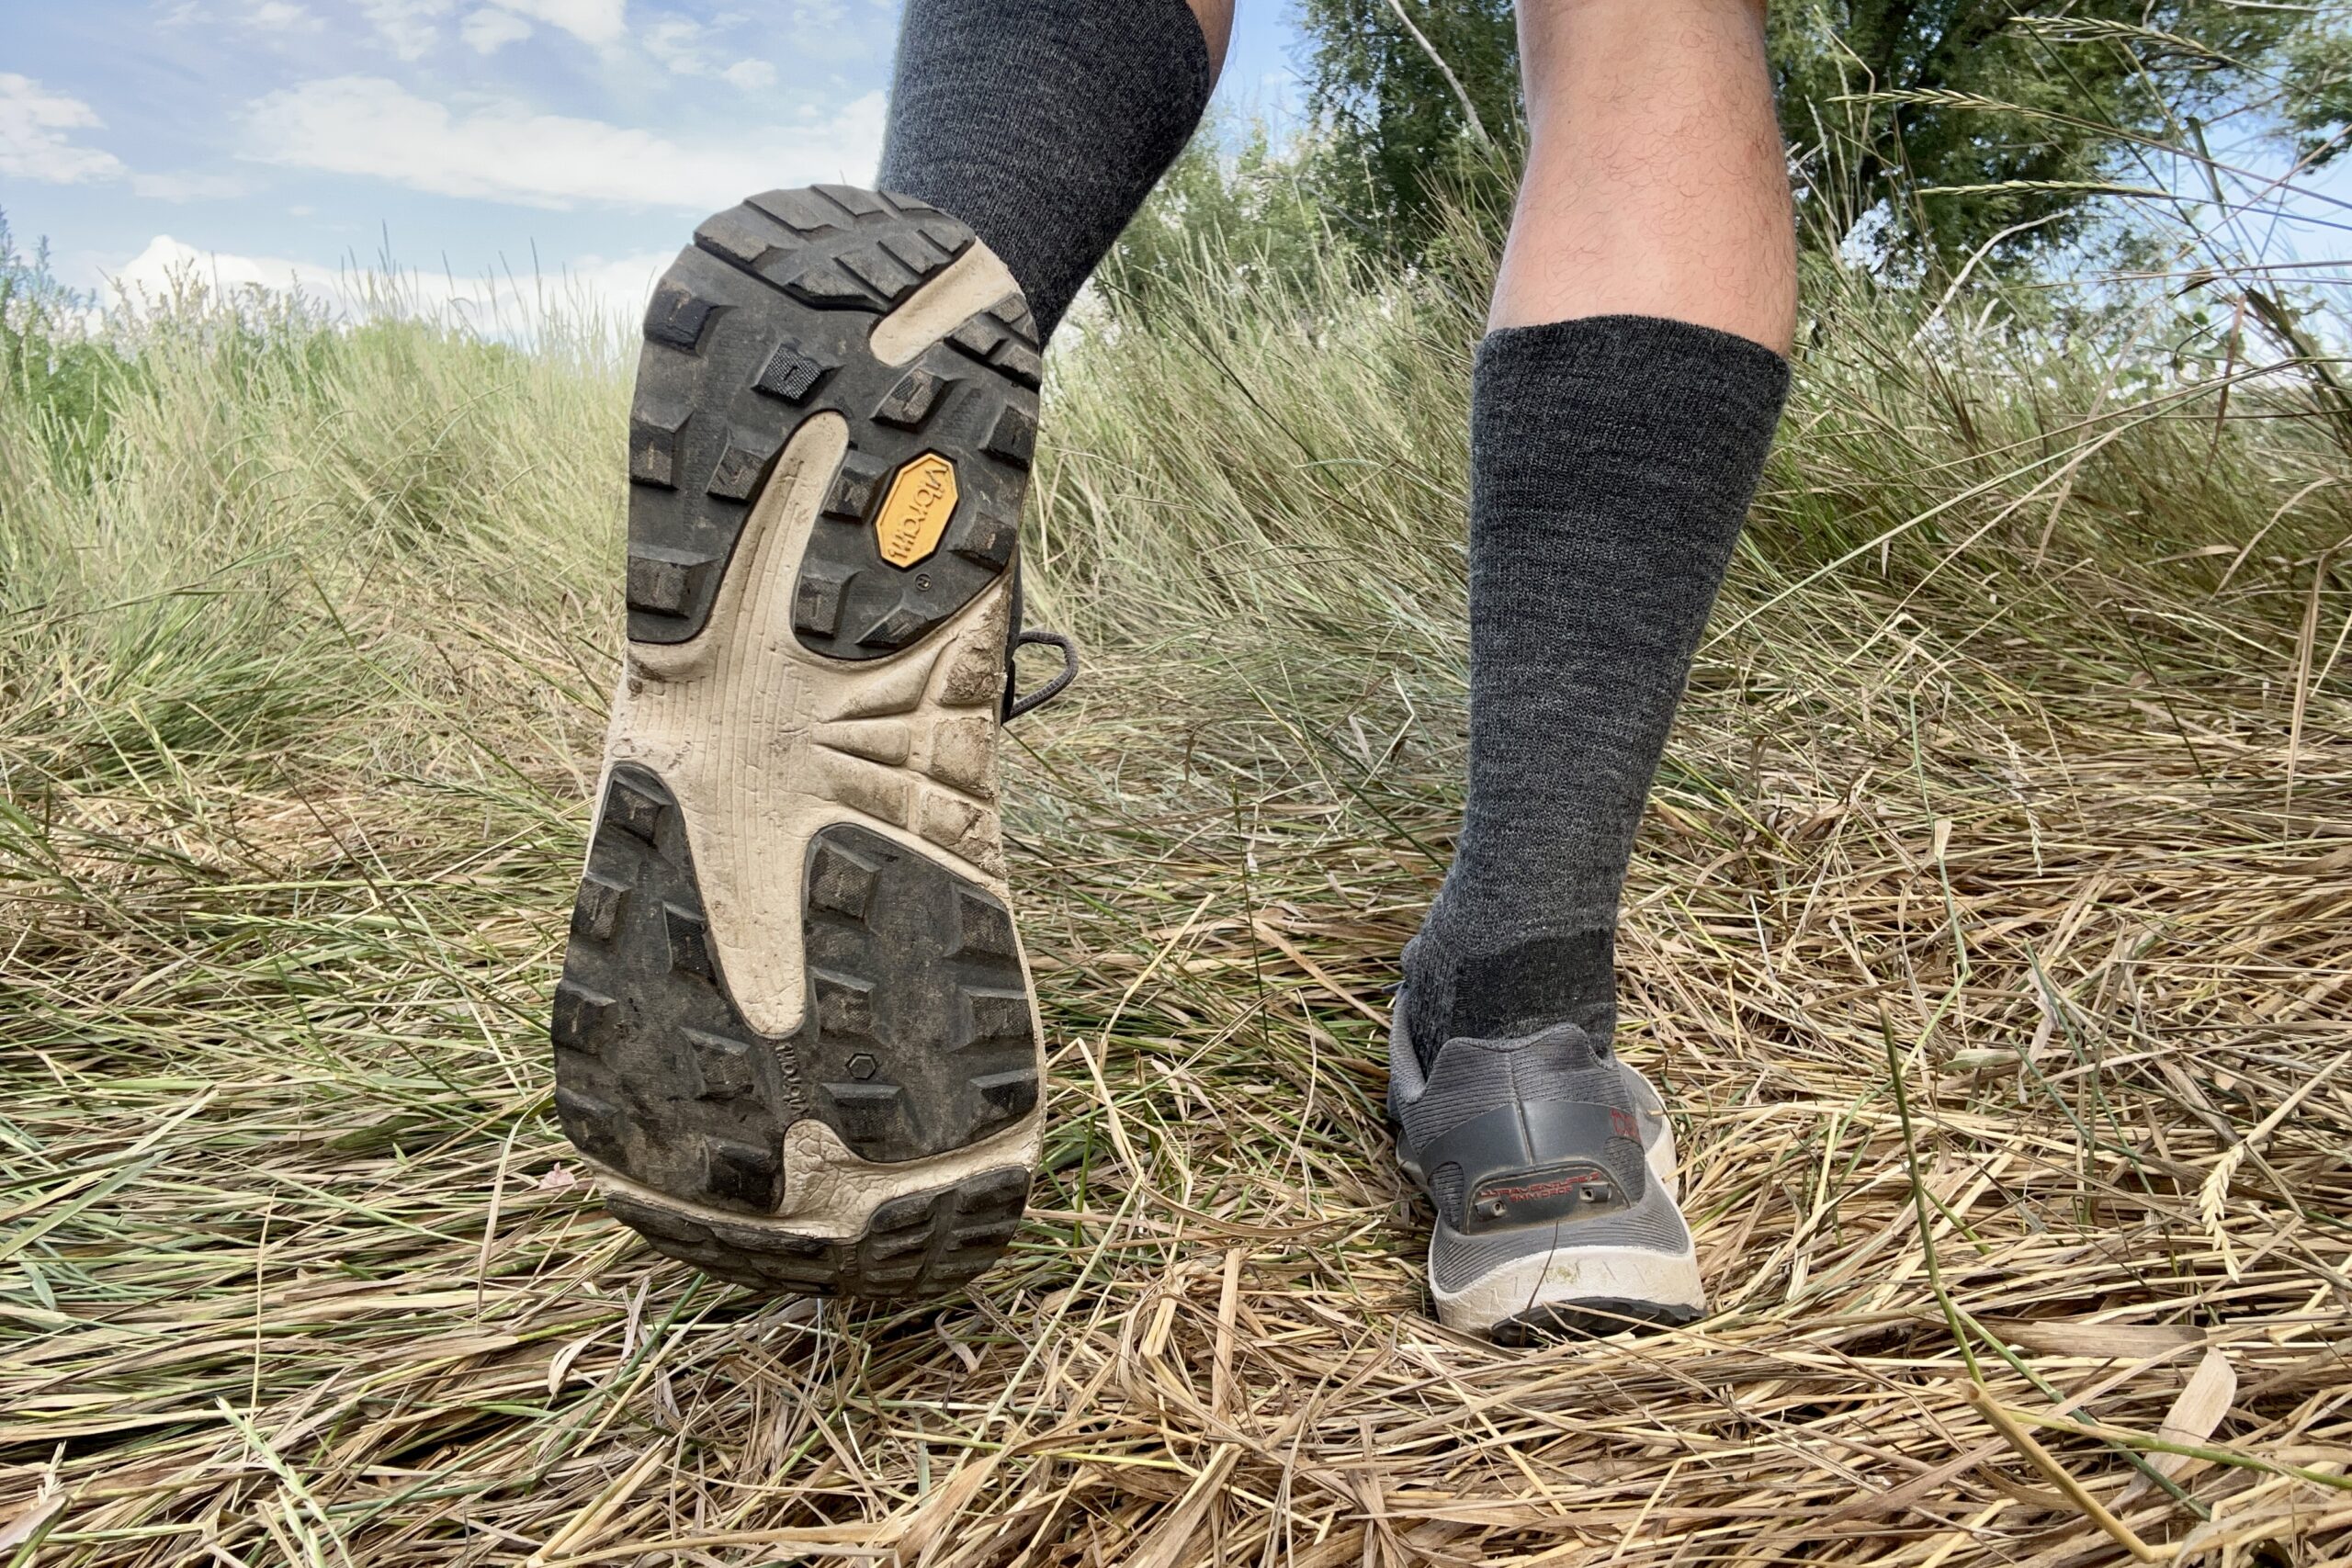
{"points": [[915, 513]]}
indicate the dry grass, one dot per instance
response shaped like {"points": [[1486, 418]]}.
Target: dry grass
{"points": [[1992, 934]]}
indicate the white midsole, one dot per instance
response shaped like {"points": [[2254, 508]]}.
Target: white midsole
{"points": [[1567, 1275], [829, 1193]]}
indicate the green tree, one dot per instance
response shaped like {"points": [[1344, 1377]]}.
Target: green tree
{"points": [[1939, 126], [2316, 100], [1232, 210], [1407, 116], [1963, 125]]}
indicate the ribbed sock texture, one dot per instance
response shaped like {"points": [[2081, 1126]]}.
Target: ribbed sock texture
{"points": [[1612, 462], [1042, 124]]}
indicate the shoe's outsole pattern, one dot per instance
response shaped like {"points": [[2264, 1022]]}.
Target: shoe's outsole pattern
{"points": [[1588, 1318], [655, 1074], [916, 1059], [923, 1244], [764, 322], [917, 1038]]}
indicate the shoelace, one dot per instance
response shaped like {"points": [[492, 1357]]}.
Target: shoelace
{"points": [[1015, 704]]}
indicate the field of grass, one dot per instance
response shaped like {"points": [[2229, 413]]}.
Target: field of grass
{"points": [[1991, 933]]}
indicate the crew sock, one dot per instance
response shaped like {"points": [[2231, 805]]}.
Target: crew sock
{"points": [[1612, 462], [1042, 124]]}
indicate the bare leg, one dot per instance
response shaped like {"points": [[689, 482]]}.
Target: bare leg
{"points": [[1655, 181], [1216, 18]]}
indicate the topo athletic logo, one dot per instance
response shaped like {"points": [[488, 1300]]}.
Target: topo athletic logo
{"points": [[1528, 1191], [914, 514]]}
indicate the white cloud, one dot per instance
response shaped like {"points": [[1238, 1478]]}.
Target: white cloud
{"points": [[167, 267], [282, 16], [500, 304], [408, 27], [188, 186], [677, 42], [504, 152], [35, 144], [683, 43], [624, 285], [487, 31], [599, 22]]}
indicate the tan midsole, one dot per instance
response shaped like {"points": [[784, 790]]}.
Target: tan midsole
{"points": [[1567, 1275], [831, 1194], [972, 282], [729, 720]]}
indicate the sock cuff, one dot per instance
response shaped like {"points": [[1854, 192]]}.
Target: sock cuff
{"points": [[1647, 367], [1520, 979], [1042, 123]]}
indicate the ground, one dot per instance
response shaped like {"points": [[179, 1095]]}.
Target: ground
{"points": [[1989, 936]]}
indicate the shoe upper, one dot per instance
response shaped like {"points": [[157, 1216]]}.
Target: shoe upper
{"points": [[1527, 1143]]}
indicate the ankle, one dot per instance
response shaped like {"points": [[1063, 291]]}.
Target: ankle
{"points": [[1463, 982]]}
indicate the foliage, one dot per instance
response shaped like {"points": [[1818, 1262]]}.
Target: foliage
{"points": [[1400, 140], [1232, 207], [56, 370], [1963, 125], [2317, 101], [1927, 129]]}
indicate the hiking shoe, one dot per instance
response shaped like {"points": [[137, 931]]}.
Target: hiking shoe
{"points": [[795, 1033], [1551, 1165]]}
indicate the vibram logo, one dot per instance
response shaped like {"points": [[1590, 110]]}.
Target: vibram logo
{"points": [[914, 514]]}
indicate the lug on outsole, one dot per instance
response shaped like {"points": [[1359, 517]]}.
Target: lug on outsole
{"points": [[917, 1039], [923, 1244], [764, 323]]}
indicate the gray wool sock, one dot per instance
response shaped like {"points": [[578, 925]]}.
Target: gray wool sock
{"points": [[1042, 124], [1612, 460]]}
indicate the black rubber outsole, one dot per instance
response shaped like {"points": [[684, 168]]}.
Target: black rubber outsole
{"points": [[1587, 1320], [923, 1244], [761, 324], [917, 1037]]}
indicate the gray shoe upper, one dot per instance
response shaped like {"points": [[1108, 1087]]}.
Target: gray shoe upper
{"points": [[1524, 1145]]}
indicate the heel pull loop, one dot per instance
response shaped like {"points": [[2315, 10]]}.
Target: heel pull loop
{"points": [[1014, 704]]}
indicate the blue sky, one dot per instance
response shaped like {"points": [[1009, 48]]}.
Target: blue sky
{"points": [[269, 140]]}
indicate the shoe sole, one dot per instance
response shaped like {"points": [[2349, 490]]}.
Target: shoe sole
{"points": [[1587, 1290], [796, 1034]]}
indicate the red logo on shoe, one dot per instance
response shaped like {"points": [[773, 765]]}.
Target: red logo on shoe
{"points": [[1534, 1192]]}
